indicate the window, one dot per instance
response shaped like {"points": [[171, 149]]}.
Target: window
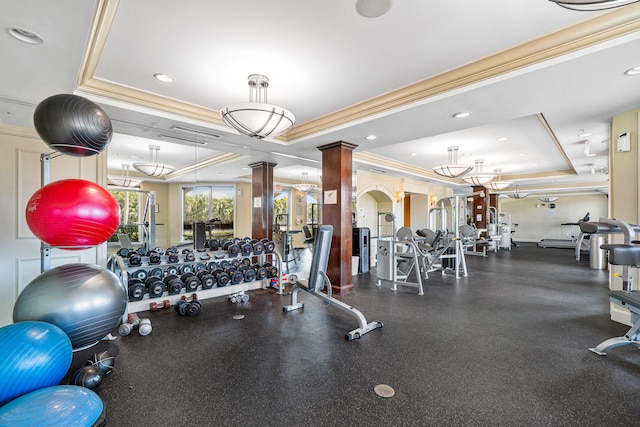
{"points": [[129, 202], [280, 203], [212, 205]]}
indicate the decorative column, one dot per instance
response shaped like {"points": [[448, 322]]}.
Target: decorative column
{"points": [[262, 200], [480, 206], [336, 210]]}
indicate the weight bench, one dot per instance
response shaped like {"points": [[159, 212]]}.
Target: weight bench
{"points": [[627, 255], [317, 281]]}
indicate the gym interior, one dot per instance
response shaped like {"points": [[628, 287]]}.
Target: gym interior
{"points": [[316, 280]]}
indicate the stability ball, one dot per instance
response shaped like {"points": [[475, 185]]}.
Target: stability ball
{"points": [[60, 405], [74, 213], [73, 125], [33, 355], [85, 300]]}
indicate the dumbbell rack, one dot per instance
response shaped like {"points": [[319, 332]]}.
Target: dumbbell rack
{"points": [[120, 267]]}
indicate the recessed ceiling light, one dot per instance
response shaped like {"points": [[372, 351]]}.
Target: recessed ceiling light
{"points": [[25, 36], [164, 78], [370, 137], [633, 71], [413, 154], [503, 138], [584, 134], [462, 114]]}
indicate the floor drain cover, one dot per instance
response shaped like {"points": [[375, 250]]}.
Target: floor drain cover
{"points": [[384, 390], [238, 316]]}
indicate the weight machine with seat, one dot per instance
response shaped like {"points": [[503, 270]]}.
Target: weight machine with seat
{"points": [[628, 256], [318, 280]]}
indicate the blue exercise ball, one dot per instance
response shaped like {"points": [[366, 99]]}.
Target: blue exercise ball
{"points": [[33, 355], [62, 405], [85, 300], [73, 125]]}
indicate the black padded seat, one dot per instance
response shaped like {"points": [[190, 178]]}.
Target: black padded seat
{"points": [[623, 254]]}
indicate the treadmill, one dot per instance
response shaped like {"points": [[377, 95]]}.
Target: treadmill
{"points": [[566, 243]]}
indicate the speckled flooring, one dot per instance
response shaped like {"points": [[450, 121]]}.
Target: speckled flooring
{"points": [[506, 346]]}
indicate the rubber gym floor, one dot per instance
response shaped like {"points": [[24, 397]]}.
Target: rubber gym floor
{"points": [[505, 346]]}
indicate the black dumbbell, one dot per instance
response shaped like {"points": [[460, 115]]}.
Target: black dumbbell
{"points": [[207, 281], [123, 252], [237, 277], [139, 274], [194, 306], [269, 247], [233, 250], [224, 263], [135, 259], [172, 269], [136, 289], [173, 258], [212, 266], [258, 248], [142, 251], [173, 283], [157, 271], [186, 268], [190, 256], [247, 262], [199, 266], [261, 272], [155, 285], [191, 282], [272, 271], [154, 258], [249, 275], [246, 249], [171, 250], [222, 277]]}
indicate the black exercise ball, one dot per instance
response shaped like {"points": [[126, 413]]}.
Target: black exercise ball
{"points": [[102, 360], [88, 376], [73, 125]]}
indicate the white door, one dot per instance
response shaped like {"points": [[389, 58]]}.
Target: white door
{"points": [[20, 151]]}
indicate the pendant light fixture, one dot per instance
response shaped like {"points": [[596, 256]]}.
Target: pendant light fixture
{"points": [[256, 118], [479, 178], [517, 194], [452, 169], [153, 168], [124, 180], [305, 186], [498, 184], [372, 8], [592, 5], [547, 199]]}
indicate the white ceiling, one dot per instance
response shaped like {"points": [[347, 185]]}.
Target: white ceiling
{"points": [[422, 61]]}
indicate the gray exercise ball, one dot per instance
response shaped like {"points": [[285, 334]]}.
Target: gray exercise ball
{"points": [[73, 125], [86, 301]]}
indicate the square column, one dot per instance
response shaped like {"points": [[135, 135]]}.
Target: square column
{"points": [[262, 200], [336, 210]]}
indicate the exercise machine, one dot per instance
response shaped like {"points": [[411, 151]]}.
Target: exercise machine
{"points": [[318, 280], [567, 243], [628, 256]]}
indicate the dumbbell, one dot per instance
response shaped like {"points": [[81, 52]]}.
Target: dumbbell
{"points": [[188, 307], [154, 258], [135, 259], [249, 275], [222, 278], [189, 256], [269, 247], [246, 249], [212, 266], [139, 274], [172, 269], [239, 297], [237, 277], [171, 250], [185, 268], [206, 279], [191, 282], [157, 272], [174, 285], [164, 304], [136, 289], [258, 248], [142, 251], [247, 262], [261, 272], [155, 286], [132, 322], [198, 266], [123, 252], [272, 271], [144, 328], [233, 250], [224, 263], [173, 258]]}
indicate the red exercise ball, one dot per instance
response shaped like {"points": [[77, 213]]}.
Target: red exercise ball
{"points": [[73, 212]]}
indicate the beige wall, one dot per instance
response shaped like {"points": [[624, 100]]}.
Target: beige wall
{"points": [[536, 221], [623, 193]]}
